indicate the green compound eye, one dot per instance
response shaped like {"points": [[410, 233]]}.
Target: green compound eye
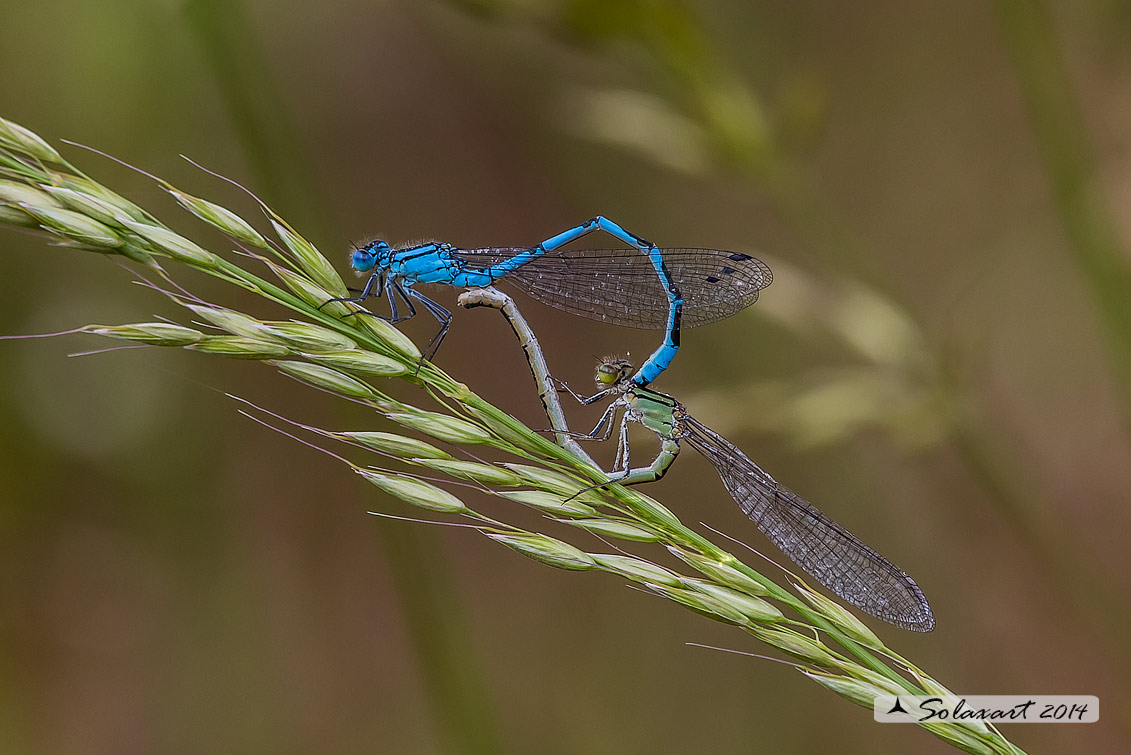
{"points": [[612, 370], [606, 375]]}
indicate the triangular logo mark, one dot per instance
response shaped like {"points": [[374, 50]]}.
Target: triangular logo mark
{"points": [[897, 708]]}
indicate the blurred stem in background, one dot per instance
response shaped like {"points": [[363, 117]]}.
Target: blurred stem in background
{"points": [[1097, 251], [427, 594], [722, 123], [441, 634], [1070, 161], [267, 133]]}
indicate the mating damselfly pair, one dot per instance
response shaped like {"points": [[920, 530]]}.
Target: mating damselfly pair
{"points": [[658, 288]]}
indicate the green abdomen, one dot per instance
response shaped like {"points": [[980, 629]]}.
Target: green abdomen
{"points": [[657, 411]]}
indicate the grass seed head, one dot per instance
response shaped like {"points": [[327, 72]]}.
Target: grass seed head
{"points": [[311, 260], [97, 190], [238, 347], [797, 645], [388, 335], [551, 503], [879, 681], [219, 217], [756, 608], [156, 333], [73, 225], [508, 428], [841, 617], [548, 550], [356, 360], [88, 205], [324, 377], [19, 139], [654, 509], [616, 529], [310, 291], [417, 492], [397, 445], [303, 336], [15, 216], [931, 687], [961, 738], [853, 690], [637, 570], [701, 603], [487, 474], [562, 484], [719, 572], [234, 322], [15, 193], [442, 426], [172, 244]]}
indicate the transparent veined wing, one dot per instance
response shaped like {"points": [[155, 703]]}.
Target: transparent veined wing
{"points": [[622, 287], [831, 554]]}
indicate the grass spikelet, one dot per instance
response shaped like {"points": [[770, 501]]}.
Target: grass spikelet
{"points": [[239, 347], [615, 529], [356, 360], [310, 260], [19, 139], [14, 216], [549, 479], [756, 608], [325, 378], [18, 194], [85, 230], [551, 503], [83, 185], [417, 492], [219, 217], [171, 244], [91, 206], [154, 333], [302, 336], [636, 569], [960, 738], [388, 335], [548, 550], [395, 445], [855, 691], [487, 474], [311, 292], [797, 645], [701, 603], [234, 322], [841, 617], [719, 572], [442, 426]]}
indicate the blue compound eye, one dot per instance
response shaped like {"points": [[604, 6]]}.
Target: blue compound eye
{"points": [[365, 259]]}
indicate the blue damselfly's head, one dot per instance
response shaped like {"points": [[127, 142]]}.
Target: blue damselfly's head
{"points": [[371, 255], [613, 370]]}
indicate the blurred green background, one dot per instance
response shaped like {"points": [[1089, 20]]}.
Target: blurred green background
{"points": [[943, 363]]}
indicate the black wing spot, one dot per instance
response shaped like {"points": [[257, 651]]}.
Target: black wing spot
{"points": [[740, 257], [712, 279], [728, 271]]}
